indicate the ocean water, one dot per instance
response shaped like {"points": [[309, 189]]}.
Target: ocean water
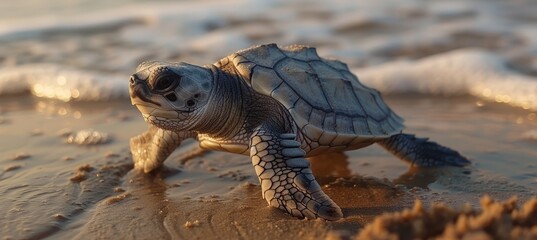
{"points": [[83, 50]]}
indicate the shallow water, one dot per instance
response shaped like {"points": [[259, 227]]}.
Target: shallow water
{"points": [[463, 73]]}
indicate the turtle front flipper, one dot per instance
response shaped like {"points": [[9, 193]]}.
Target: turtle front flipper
{"points": [[286, 179], [150, 149]]}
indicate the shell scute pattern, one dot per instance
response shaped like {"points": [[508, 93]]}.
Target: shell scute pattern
{"points": [[344, 124], [311, 130], [329, 122], [375, 127], [284, 93], [341, 66], [370, 106], [243, 66], [266, 80], [265, 55], [316, 117], [359, 126], [304, 79], [301, 52], [324, 98]]}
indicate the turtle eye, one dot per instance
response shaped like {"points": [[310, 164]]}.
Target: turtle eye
{"points": [[164, 82]]}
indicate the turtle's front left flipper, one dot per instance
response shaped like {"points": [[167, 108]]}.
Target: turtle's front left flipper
{"points": [[286, 179], [150, 149]]}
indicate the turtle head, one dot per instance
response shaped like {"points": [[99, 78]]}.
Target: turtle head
{"points": [[170, 95]]}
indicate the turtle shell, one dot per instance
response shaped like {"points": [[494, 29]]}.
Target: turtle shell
{"points": [[325, 99]]}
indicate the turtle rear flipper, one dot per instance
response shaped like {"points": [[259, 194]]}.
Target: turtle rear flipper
{"points": [[422, 152], [287, 182]]}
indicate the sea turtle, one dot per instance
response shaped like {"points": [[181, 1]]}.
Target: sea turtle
{"points": [[279, 106]]}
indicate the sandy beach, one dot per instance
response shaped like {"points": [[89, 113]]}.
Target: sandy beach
{"points": [[462, 73], [60, 190]]}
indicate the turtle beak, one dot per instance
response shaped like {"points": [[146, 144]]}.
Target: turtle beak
{"points": [[139, 92]]}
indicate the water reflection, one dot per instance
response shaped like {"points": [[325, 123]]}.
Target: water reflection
{"points": [[331, 166], [120, 110], [418, 177]]}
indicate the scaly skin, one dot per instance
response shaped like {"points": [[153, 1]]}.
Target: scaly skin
{"points": [[286, 179], [150, 149]]}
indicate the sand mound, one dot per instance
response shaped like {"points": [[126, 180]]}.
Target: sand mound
{"points": [[496, 220]]}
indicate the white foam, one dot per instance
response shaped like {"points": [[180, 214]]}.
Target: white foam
{"points": [[530, 135], [216, 28], [60, 82], [466, 71], [461, 72]]}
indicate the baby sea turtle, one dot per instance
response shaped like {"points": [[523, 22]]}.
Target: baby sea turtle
{"points": [[279, 106]]}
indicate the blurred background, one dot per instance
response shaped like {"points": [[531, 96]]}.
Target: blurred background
{"points": [[60, 49]]}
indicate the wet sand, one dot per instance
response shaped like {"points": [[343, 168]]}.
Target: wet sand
{"points": [[55, 189]]}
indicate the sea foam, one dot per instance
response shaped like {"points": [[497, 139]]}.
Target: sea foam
{"points": [[63, 83], [461, 72], [349, 30]]}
